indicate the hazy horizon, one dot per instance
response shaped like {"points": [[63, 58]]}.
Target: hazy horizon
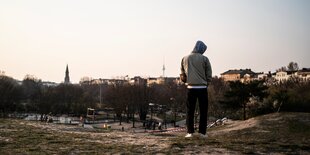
{"points": [[106, 39]]}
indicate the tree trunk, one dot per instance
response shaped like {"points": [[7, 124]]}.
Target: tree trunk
{"points": [[244, 112], [120, 120], [133, 121], [280, 107]]}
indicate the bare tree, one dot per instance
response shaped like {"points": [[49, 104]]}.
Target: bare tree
{"points": [[10, 94], [292, 66], [283, 68], [32, 93], [239, 94]]}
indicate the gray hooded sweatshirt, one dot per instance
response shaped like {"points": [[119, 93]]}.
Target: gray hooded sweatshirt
{"points": [[197, 67]]}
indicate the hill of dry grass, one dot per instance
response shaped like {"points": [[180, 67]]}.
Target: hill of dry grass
{"points": [[284, 133]]}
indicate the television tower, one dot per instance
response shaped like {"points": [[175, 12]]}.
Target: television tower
{"points": [[164, 68]]}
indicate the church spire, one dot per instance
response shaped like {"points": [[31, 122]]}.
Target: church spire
{"points": [[67, 78]]}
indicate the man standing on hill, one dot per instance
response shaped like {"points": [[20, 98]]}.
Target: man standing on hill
{"points": [[196, 72]]}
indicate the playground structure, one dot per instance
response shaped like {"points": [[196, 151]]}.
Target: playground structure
{"points": [[94, 116], [90, 114]]}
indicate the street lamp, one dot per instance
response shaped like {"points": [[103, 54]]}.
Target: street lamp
{"points": [[174, 109], [100, 91], [151, 105], [165, 119], [133, 118]]}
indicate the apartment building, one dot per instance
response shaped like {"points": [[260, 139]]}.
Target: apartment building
{"points": [[242, 75]]}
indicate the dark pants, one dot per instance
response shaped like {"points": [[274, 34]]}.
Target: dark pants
{"points": [[192, 96]]}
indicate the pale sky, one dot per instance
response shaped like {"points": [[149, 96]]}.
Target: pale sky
{"points": [[110, 38]]}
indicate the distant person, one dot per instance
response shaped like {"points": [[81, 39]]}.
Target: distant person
{"points": [[49, 118], [196, 72], [82, 120], [159, 126]]}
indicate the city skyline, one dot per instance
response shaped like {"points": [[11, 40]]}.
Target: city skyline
{"points": [[106, 39], [127, 77]]}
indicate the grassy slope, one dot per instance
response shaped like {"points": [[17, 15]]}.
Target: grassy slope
{"points": [[287, 133], [17, 138]]}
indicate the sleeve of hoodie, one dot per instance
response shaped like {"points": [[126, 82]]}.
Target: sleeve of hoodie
{"points": [[208, 70], [182, 67]]}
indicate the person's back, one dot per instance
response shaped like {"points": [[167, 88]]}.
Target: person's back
{"points": [[198, 73]]}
